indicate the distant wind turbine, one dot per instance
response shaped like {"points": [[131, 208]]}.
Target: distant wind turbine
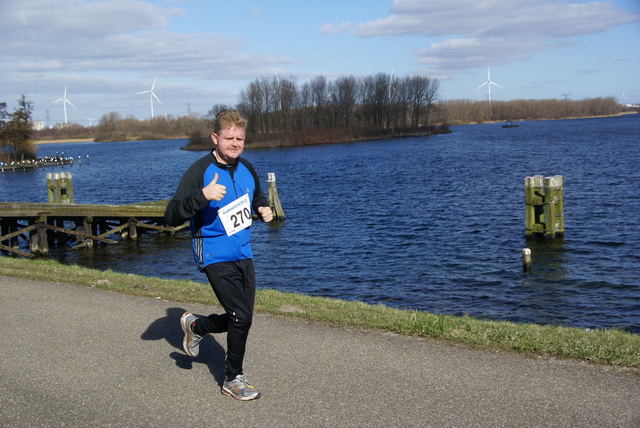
{"points": [[65, 101], [488, 83], [151, 95], [624, 98], [90, 121], [278, 91], [391, 88]]}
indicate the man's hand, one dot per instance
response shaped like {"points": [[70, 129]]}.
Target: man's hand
{"points": [[213, 191], [265, 213]]}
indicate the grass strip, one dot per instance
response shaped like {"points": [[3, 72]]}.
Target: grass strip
{"points": [[600, 346]]}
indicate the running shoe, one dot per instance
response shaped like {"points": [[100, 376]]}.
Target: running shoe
{"points": [[240, 389], [191, 341]]}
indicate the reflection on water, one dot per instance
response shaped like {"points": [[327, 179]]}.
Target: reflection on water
{"points": [[549, 256]]}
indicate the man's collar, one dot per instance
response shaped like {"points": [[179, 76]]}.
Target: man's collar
{"points": [[222, 164]]}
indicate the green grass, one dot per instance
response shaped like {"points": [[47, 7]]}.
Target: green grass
{"points": [[600, 346]]}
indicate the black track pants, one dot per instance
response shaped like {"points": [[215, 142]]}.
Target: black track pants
{"points": [[234, 286]]}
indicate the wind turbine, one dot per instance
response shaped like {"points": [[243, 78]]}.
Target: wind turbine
{"points": [[151, 95], [391, 88], [278, 91], [488, 83], [64, 103], [90, 121]]}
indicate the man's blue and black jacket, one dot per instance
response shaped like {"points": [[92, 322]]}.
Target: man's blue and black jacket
{"points": [[209, 239]]}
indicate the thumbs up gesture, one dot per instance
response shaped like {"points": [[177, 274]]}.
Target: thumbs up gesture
{"points": [[214, 191]]}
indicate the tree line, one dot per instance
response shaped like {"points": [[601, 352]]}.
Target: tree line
{"points": [[459, 112], [282, 112], [352, 105]]}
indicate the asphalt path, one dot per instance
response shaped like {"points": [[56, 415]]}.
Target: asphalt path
{"points": [[82, 357]]}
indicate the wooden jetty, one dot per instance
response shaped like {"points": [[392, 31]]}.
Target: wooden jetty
{"points": [[46, 161], [42, 224], [60, 220]]}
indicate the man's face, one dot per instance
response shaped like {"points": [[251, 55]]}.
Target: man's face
{"points": [[229, 144]]}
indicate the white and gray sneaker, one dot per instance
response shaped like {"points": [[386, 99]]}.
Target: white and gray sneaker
{"points": [[191, 341], [240, 389]]}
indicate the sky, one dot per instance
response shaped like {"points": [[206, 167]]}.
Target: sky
{"points": [[204, 52]]}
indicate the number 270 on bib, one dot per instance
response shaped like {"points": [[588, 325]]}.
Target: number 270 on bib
{"points": [[236, 215]]}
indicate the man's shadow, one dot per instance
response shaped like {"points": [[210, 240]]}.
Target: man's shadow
{"points": [[211, 352]]}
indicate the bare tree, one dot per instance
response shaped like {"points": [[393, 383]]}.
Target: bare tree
{"points": [[286, 94], [344, 98], [251, 104], [423, 93], [375, 99], [319, 98]]}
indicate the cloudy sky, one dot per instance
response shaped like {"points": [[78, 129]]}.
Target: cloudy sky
{"points": [[204, 52]]}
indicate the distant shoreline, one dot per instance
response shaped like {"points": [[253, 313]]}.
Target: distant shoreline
{"points": [[90, 140], [66, 140]]}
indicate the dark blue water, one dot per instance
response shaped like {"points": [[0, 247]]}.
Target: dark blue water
{"points": [[433, 224]]}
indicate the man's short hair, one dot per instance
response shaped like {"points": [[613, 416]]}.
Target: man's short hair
{"points": [[226, 118]]}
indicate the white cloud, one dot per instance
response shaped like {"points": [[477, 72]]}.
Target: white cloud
{"points": [[329, 28], [457, 54], [47, 22], [491, 31], [106, 50], [488, 17], [116, 35]]}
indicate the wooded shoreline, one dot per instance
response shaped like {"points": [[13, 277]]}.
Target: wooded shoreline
{"points": [[339, 140]]}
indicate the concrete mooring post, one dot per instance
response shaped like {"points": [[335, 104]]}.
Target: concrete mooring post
{"points": [[544, 206], [274, 199], [60, 187]]}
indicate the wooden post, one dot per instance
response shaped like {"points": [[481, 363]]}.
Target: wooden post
{"points": [[544, 206], [66, 188], [50, 188], [33, 242], [43, 239], [70, 188], [133, 230], [87, 227], [554, 220], [534, 208], [57, 191], [79, 228], [274, 199], [60, 188]]}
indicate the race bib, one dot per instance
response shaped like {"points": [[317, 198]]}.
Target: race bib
{"points": [[236, 215]]}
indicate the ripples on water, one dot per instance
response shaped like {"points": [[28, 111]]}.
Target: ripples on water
{"points": [[433, 224]]}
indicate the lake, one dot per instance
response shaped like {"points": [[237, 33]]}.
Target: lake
{"points": [[433, 224]]}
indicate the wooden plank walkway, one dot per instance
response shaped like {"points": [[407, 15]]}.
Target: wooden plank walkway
{"points": [[43, 224]]}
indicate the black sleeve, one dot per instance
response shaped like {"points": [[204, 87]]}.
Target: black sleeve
{"points": [[188, 199]]}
